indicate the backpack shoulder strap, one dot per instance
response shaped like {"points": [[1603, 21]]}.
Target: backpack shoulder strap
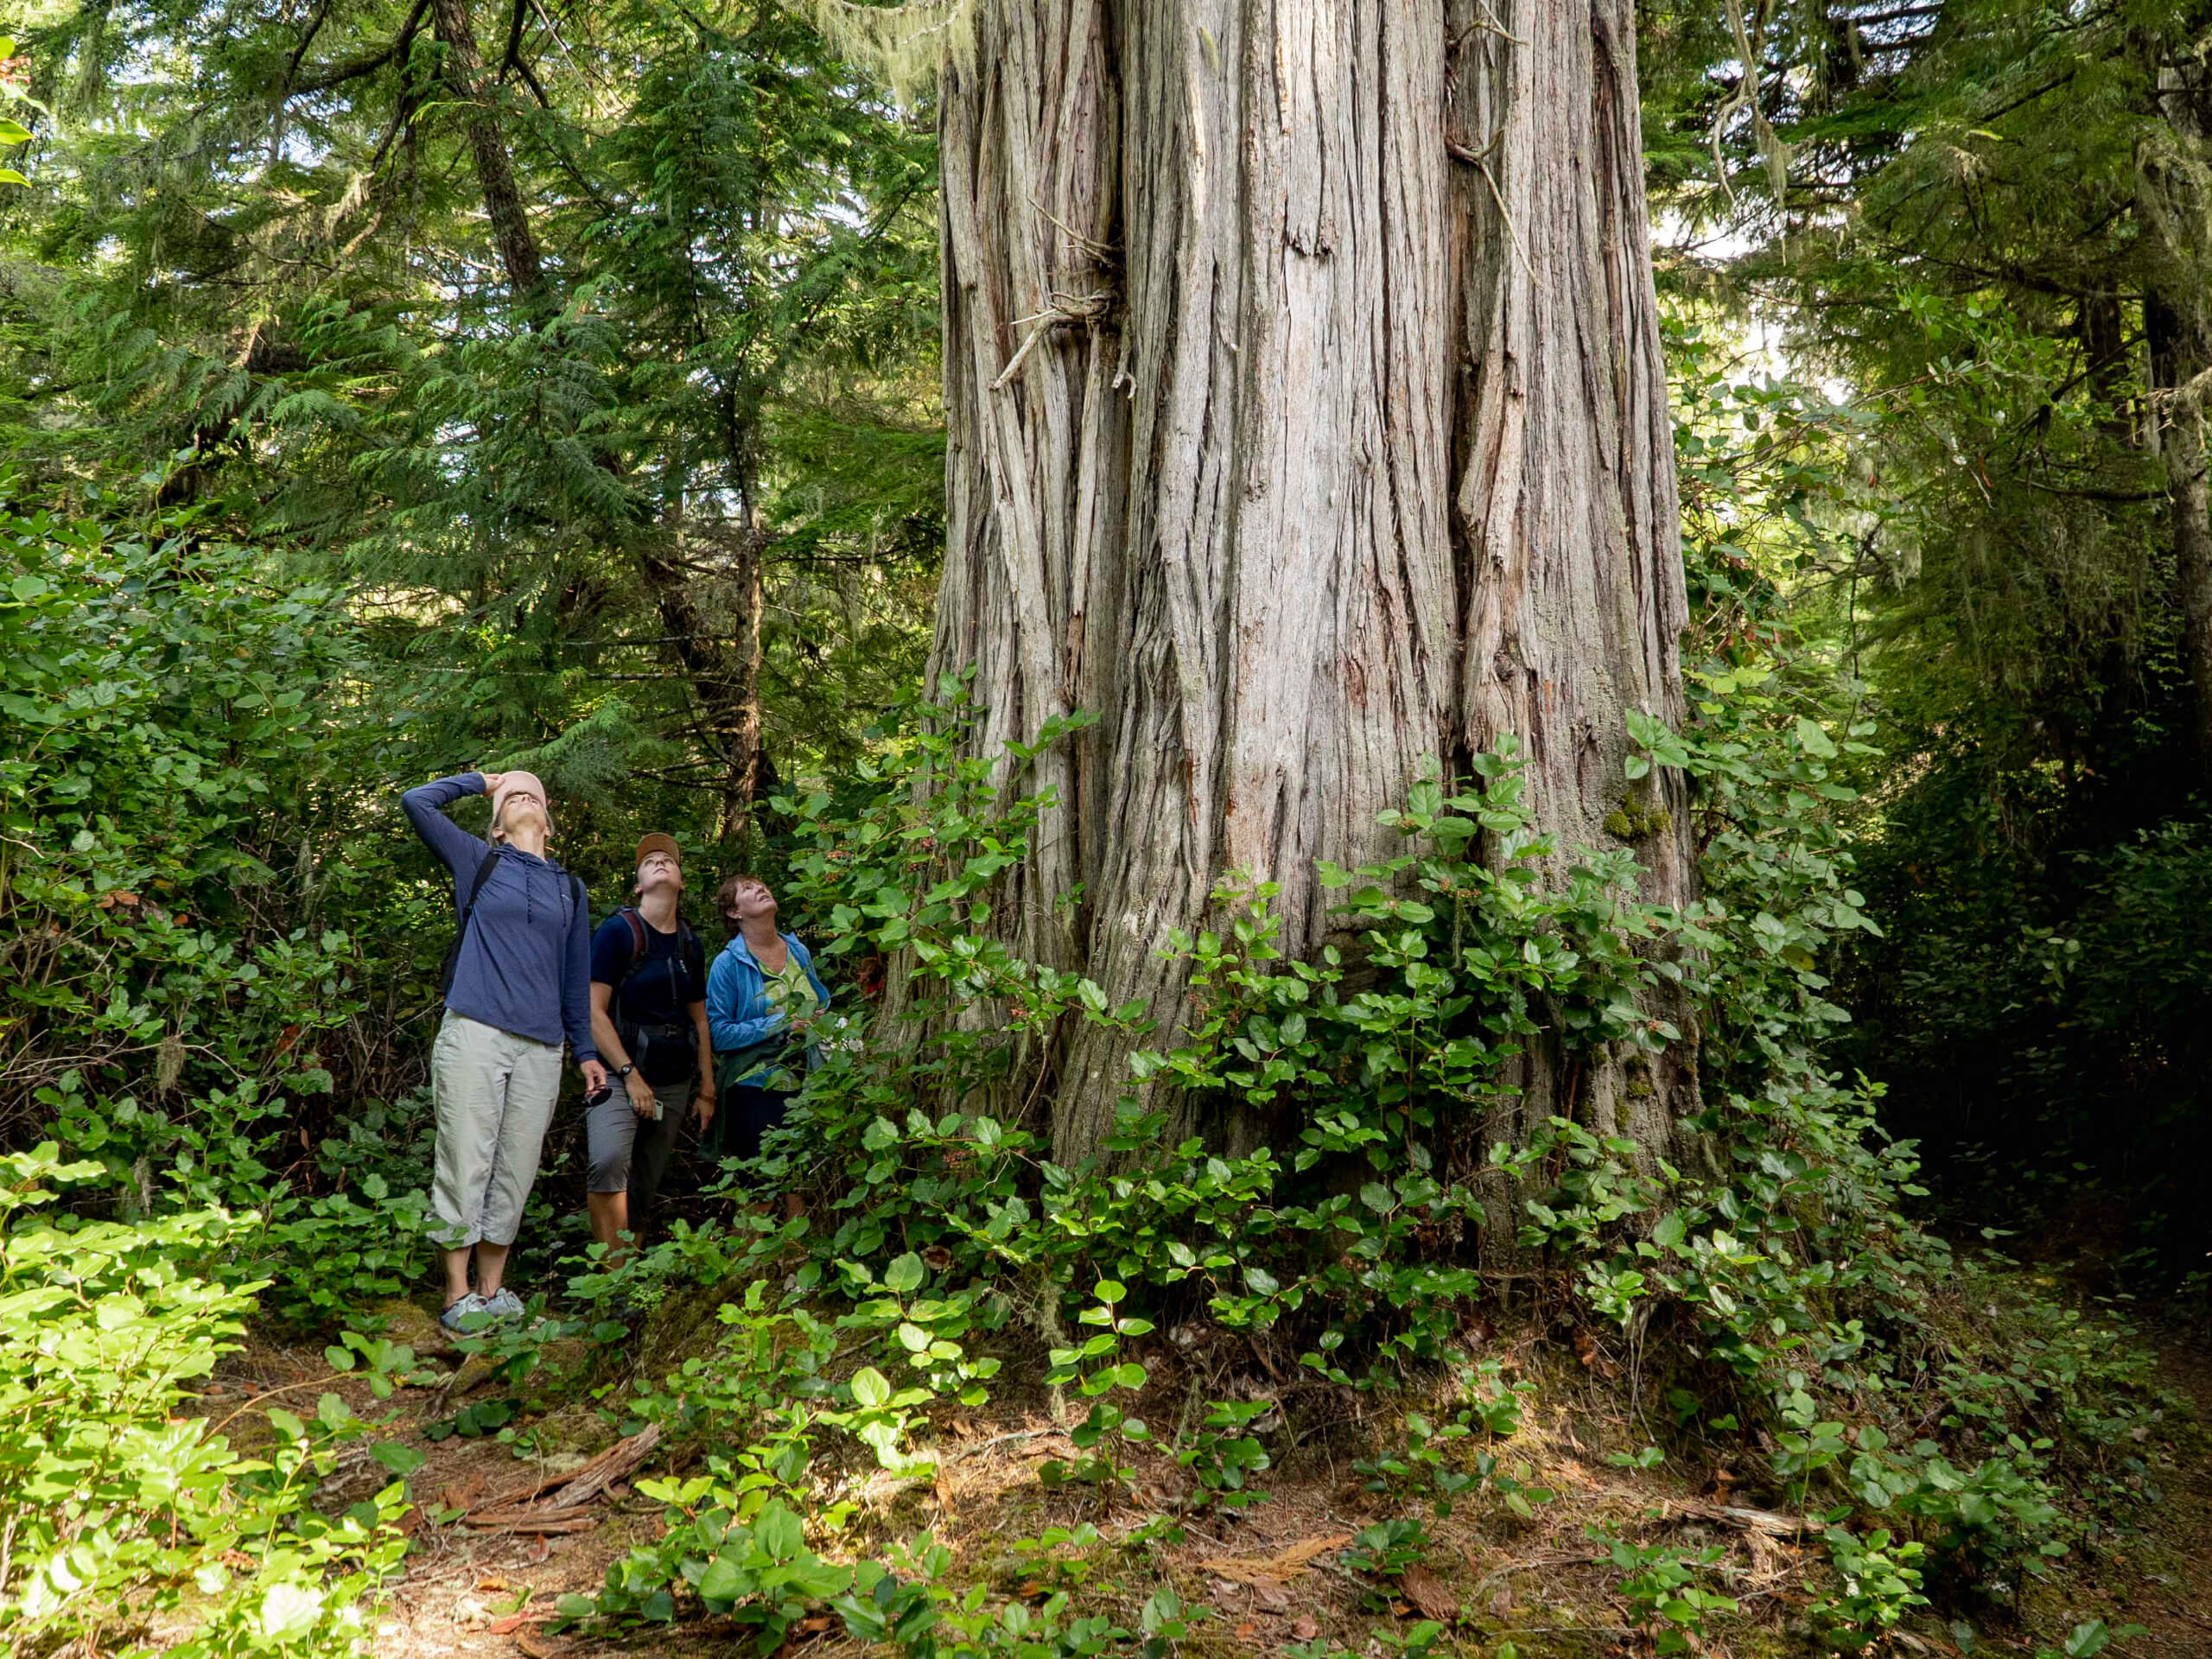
{"points": [[686, 943], [468, 910], [637, 942], [476, 888]]}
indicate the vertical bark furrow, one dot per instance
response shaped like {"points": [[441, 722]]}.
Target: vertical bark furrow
{"points": [[1565, 504]]}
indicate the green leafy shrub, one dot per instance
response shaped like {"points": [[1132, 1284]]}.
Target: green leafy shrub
{"points": [[758, 1572], [155, 699], [1878, 1580], [124, 1512], [905, 1601], [2089, 1639], [1102, 1438], [1387, 1549], [1664, 1589], [196, 923], [1222, 1455]]}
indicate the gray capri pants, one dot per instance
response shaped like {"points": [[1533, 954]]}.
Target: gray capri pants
{"points": [[628, 1153], [495, 1093]]}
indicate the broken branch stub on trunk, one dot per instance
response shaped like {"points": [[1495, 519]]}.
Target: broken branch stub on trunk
{"points": [[1307, 421]]}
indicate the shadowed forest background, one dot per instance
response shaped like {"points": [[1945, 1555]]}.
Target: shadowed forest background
{"points": [[390, 388]]}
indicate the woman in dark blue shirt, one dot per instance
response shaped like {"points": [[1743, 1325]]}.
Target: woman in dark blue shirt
{"points": [[649, 1020]]}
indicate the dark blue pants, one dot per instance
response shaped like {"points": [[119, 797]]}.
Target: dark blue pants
{"points": [[744, 1114]]}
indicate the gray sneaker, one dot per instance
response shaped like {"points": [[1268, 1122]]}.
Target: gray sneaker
{"points": [[455, 1316], [503, 1304]]}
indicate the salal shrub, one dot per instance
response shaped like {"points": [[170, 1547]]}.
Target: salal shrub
{"points": [[200, 922], [133, 1525]]}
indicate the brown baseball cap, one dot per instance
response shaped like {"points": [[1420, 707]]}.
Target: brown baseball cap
{"points": [[656, 843]]}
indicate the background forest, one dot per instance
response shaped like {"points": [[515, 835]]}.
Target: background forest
{"points": [[392, 387], [1984, 228]]}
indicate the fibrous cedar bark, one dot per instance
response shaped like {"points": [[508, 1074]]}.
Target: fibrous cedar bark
{"points": [[1307, 422], [2173, 198]]}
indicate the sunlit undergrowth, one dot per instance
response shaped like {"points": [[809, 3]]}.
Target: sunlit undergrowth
{"points": [[124, 1526], [1196, 1316], [1462, 1323]]}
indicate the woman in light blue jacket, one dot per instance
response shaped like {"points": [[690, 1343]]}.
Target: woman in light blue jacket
{"points": [[762, 997]]}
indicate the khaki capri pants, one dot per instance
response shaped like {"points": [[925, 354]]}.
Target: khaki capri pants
{"points": [[495, 1093]]}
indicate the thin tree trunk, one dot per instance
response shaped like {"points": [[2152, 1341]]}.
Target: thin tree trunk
{"points": [[2174, 199], [2178, 411], [495, 173], [741, 779], [1308, 423], [723, 666]]}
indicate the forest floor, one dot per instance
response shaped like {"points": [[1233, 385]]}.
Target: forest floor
{"points": [[2171, 1595], [1266, 1579]]}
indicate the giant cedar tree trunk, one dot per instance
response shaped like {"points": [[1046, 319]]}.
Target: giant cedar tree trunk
{"points": [[2173, 198], [1307, 420]]}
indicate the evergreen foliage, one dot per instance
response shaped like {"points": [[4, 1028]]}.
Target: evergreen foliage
{"points": [[1956, 212], [695, 456]]}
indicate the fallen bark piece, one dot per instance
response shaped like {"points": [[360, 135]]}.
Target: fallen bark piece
{"points": [[1278, 1568], [1253, 1594], [1430, 1596], [531, 1521], [554, 1505], [1735, 1515]]}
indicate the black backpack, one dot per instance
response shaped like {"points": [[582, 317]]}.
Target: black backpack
{"points": [[460, 932]]}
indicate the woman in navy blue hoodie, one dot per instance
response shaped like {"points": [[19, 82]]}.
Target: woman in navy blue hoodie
{"points": [[519, 981]]}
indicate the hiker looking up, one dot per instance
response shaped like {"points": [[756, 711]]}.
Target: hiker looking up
{"points": [[649, 1018], [515, 984], [762, 996]]}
